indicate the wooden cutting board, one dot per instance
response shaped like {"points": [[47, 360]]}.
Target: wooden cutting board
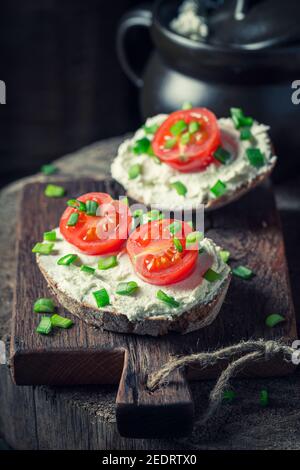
{"points": [[249, 229]]}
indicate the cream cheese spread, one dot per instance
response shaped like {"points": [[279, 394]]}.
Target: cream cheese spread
{"points": [[153, 185], [80, 285]]}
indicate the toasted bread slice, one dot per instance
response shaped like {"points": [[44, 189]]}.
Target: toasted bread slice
{"points": [[197, 317]]}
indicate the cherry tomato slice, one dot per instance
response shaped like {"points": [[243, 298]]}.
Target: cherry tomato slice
{"points": [[157, 257], [106, 232], [187, 139]]}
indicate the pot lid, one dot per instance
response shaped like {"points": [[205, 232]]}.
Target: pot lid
{"points": [[247, 24]]}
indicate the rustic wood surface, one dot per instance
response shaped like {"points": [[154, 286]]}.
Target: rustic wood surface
{"points": [[84, 417]]}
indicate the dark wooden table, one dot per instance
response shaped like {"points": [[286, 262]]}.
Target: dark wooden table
{"points": [[84, 417]]}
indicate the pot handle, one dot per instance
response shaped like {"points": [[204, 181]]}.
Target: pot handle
{"points": [[141, 16]]}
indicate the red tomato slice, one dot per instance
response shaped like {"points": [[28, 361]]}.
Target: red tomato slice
{"points": [[155, 256], [194, 154], [96, 235]]}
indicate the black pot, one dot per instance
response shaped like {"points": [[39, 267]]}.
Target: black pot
{"points": [[257, 77]]}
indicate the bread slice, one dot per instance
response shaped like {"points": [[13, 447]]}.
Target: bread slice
{"points": [[197, 317]]}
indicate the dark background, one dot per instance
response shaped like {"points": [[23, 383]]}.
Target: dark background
{"points": [[64, 85]]}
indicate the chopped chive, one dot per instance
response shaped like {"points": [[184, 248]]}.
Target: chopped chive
{"points": [[179, 187], [175, 226], [107, 263], [52, 190], [211, 275], [67, 260], [61, 322], [170, 143], [219, 188], [194, 126], [49, 169], [134, 171], [155, 214], [151, 129], [255, 157], [141, 146], [274, 319], [178, 244], [239, 119], [124, 200], [79, 205], [187, 105], [50, 236], [243, 272], [224, 255], [185, 138], [73, 219], [229, 395], [264, 397], [138, 213], [126, 288], [222, 155], [87, 269], [194, 237], [44, 305], [43, 248], [101, 297], [246, 134], [44, 326], [161, 295], [91, 207], [178, 127]]}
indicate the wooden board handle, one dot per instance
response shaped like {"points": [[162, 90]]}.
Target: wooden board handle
{"points": [[165, 412]]}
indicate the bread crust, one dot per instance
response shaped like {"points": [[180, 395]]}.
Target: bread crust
{"points": [[197, 317]]}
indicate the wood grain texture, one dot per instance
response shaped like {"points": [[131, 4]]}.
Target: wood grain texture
{"points": [[85, 355]]}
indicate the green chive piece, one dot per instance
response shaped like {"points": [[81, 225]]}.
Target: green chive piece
{"points": [[185, 138], [222, 155], [108, 262], [91, 207], [134, 171], [211, 275], [246, 134], [50, 236], [52, 190], [229, 396], [264, 397], [127, 288], [125, 201], [138, 213], [155, 214], [187, 105], [178, 127], [61, 322], [151, 129], [170, 143], [43, 248], [243, 272], [194, 237], [239, 119], [194, 126], [141, 146], [219, 188], [44, 326], [73, 219], [179, 187], [44, 305], [67, 260], [224, 255], [87, 269], [101, 297], [79, 205], [175, 226], [161, 295], [273, 320], [49, 169], [178, 244], [255, 157]]}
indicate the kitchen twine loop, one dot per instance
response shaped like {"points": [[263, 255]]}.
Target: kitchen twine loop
{"points": [[239, 356]]}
